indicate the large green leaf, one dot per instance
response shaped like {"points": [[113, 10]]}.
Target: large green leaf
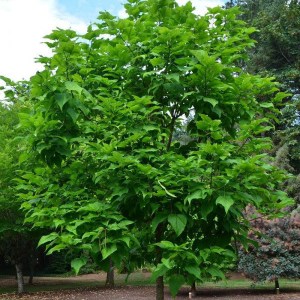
{"points": [[202, 56], [178, 222], [175, 283], [194, 270], [198, 195], [167, 262], [108, 250], [61, 100], [225, 201], [56, 248], [215, 272], [73, 86], [78, 263], [206, 208], [58, 222], [212, 101], [159, 218], [165, 245], [73, 114], [48, 238], [160, 270], [126, 240]]}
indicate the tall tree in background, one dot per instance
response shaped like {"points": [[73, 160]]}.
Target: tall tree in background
{"points": [[17, 241], [105, 110], [277, 53], [277, 49]]}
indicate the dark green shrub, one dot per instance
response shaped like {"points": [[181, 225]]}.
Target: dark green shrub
{"points": [[278, 254]]}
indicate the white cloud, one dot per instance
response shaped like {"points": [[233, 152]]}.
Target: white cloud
{"points": [[122, 13], [22, 27]]}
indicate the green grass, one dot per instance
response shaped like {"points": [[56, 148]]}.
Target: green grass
{"points": [[246, 284]]}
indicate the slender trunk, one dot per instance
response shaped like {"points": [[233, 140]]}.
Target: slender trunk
{"points": [[110, 276], [160, 295], [193, 289], [30, 279], [20, 278], [277, 285], [31, 268], [172, 125]]}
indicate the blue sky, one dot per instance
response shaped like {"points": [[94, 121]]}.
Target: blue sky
{"points": [[88, 9], [24, 23]]}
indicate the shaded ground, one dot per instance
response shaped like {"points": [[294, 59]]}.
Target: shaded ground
{"points": [[75, 288]]}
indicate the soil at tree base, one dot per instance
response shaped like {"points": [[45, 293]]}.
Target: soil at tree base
{"points": [[148, 293], [134, 292]]}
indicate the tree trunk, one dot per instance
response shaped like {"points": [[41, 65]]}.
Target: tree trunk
{"points": [[32, 261], [277, 285], [160, 295], [30, 279], [110, 276], [20, 278], [193, 289]]}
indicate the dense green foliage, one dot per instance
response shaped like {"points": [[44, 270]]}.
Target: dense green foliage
{"points": [[111, 180], [11, 217], [17, 241]]}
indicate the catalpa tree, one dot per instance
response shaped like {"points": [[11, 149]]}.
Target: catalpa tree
{"points": [[115, 178]]}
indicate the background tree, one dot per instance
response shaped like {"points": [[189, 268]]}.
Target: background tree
{"points": [[278, 253], [17, 241], [277, 53], [106, 107]]}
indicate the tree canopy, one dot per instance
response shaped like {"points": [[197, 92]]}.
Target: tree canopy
{"points": [[112, 177]]}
